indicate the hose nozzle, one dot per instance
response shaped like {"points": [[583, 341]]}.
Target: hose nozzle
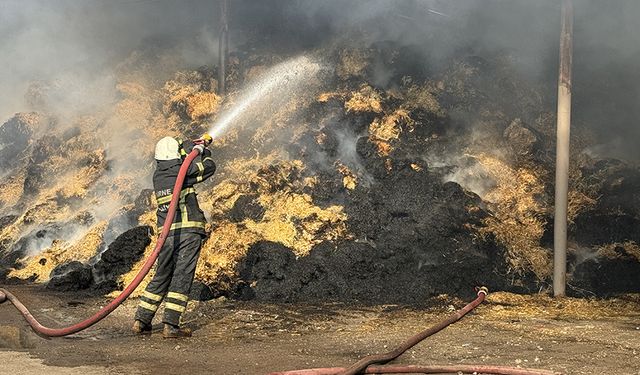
{"points": [[205, 140]]}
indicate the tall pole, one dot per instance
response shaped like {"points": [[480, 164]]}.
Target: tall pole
{"points": [[562, 152], [223, 46]]}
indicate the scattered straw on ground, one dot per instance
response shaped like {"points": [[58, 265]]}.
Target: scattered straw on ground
{"points": [[502, 305]]}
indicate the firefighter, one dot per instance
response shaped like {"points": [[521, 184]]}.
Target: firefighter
{"points": [[178, 257]]}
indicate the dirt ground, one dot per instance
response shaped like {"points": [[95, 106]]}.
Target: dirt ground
{"points": [[231, 337]]}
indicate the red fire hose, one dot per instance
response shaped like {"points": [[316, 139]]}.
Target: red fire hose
{"points": [[455, 369], [363, 366], [57, 332]]}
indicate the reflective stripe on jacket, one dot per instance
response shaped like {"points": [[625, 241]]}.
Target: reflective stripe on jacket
{"points": [[189, 217]]}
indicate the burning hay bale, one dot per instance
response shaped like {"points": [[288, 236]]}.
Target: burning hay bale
{"points": [[424, 97], [521, 139]]}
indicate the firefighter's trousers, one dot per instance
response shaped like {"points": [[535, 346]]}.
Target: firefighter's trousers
{"points": [[175, 269]]}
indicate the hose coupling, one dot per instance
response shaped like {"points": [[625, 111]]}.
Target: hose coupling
{"points": [[483, 290]]}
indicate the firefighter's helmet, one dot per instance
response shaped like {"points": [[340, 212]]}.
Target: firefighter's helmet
{"points": [[167, 149]]}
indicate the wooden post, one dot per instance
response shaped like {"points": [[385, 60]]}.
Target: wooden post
{"points": [[223, 46], [562, 152]]}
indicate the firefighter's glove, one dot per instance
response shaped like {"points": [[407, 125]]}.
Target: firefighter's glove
{"points": [[200, 148]]}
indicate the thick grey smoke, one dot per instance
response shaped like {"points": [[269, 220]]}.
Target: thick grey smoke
{"points": [[606, 47], [73, 46]]}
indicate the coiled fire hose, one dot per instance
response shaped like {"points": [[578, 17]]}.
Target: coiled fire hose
{"points": [[57, 332], [363, 366]]}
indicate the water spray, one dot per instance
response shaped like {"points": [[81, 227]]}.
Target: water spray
{"points": [[282, 80]]}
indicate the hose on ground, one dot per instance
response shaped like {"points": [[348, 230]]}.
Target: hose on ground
{"points": [[383, 358], [436, 369], [364, 366], [106, 310]]}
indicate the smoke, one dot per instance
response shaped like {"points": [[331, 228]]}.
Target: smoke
{"points": [[606, 49], [65, 59], [73, 47], [70, 49]]}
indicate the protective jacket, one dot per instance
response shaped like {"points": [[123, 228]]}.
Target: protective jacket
{"points": [[189, 217]]}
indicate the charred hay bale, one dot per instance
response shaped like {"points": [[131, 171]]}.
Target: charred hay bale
{"points": [[43, 148], [70, 276], [355, 271], [521, 140], [328, 142], [615, 216], [118, 259], [329, 189], [246, 207], [37, 176], [606, 275], [5, 221], [592, 228], [14, 137], [202, 292], [619, 187], [72, 132], [267, 262], [371, 160], [412, 234]]}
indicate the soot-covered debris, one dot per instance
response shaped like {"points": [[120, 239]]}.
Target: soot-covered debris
{"points": [[70, 276], [121, 255]]}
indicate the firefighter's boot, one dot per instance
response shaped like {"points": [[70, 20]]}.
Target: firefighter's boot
{"points": [[174, 332], [140, 328]]}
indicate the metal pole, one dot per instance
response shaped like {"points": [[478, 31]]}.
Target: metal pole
{"points": [[223, 47], [562, 152]]}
